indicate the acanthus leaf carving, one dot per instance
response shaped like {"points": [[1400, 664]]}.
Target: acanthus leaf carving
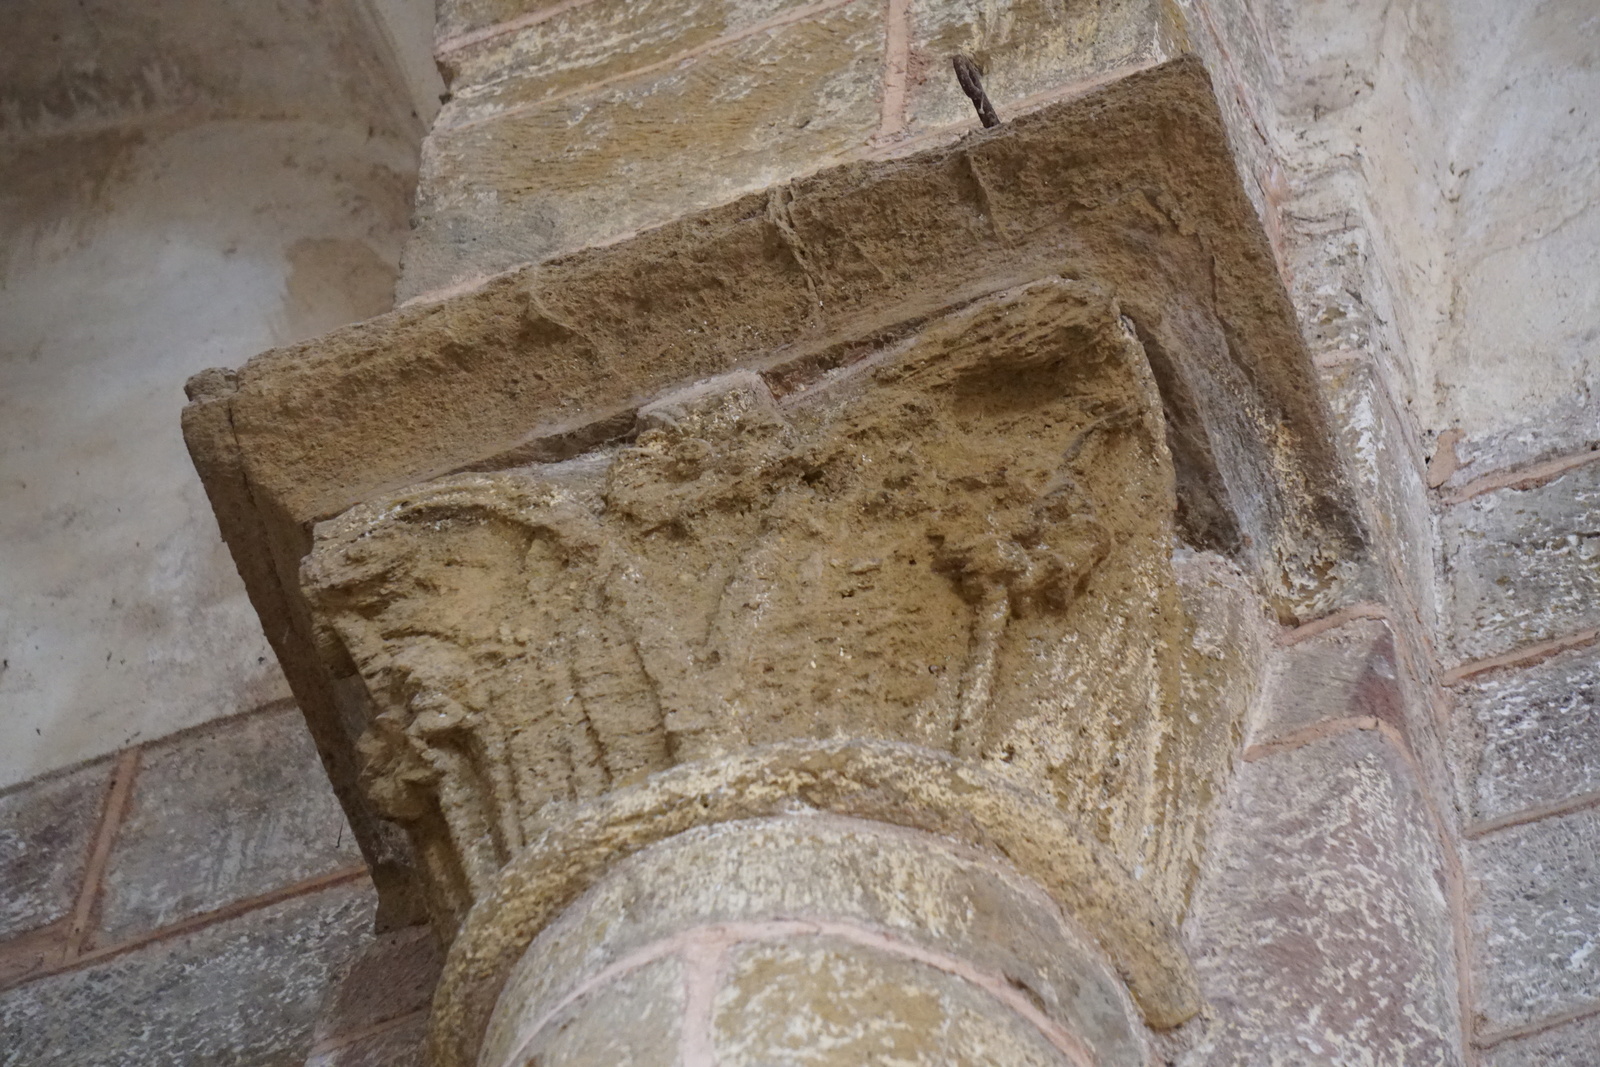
{"points": [[928, 546]]}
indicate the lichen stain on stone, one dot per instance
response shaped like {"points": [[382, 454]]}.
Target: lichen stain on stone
{"points": [[961, 542]]}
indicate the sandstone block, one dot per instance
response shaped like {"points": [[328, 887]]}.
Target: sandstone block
{"points": [[635, 1021], [393, 977], [1536, 918], [1521, 565], [917, 891], [235, 810], [1321, 930], [1527, 738], [46, 828], [536, 178], [1351, 671], [781, 1004], [244, 991], [1024, 47], [461, 17], [809, 287], [1383, 459], [593, 42]]}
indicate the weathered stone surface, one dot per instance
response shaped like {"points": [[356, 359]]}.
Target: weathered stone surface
{"points": [[521, 178], [1571, 1045], [1350, 671], [824, 1002], [914, 890], [393, 977], [964, 546], [242, 993], [1529, 737], [893, 784], [1351, 675], [234, 810], [1523, 369], [807, 286], [1536, 918], [1026, 47], [634, 1021], [404, 1044], [1321, 930], [1521, 565], [584, 45], [1385, 462], [46, 828]]}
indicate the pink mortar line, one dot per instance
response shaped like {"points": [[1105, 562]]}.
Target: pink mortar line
{"points": [[1582, 802], [705, 962], [1526, 656], [1369, 610], [1416, 661], [949, 134], [896, 67], [210, 918], [60, 945], [1450, 855], [704, 951], [1576, 1015], [1530, 476], [118, 795]]}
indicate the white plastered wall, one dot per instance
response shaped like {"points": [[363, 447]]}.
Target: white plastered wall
{"points": [[181, 186]]}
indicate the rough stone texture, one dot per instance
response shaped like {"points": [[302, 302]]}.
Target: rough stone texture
{"points": [[823, 1002], [1346, 672], [1385, 462], [1025, 48], [235, 810], [914, 890], [799, 284], [242, 993], [403, 1044], [1321, 930], [1529, 737], [1572, 1045], [392, 978], [580, 46], [1519, 370], [523, 177], [46, 829], [1351, 674], [980, 569], [724, 290], [1536, 918], [894, 784], [1521, 565], [634, 1021]]}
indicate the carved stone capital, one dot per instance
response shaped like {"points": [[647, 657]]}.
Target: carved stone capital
{"points": [[946, 494]]}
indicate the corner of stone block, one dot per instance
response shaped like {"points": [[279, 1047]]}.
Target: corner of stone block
{"points": [[213, 383]]}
